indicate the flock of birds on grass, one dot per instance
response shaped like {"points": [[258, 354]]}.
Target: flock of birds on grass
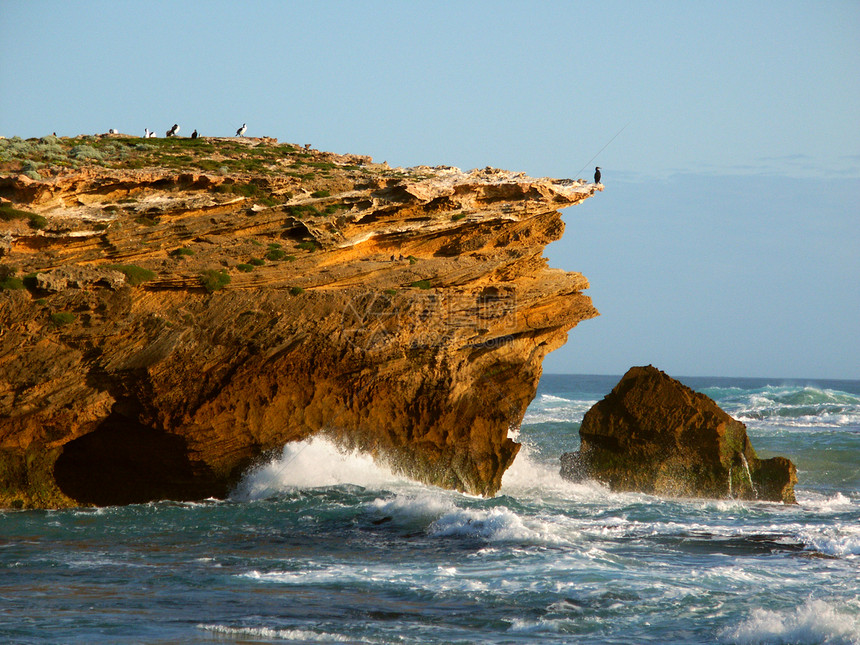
{"points": [[174, 131]]}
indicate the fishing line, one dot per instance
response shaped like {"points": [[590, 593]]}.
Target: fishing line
{"points": [[588, 163]]}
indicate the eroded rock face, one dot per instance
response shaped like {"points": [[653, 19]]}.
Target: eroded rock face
{"points": [[406, 313], [655, 435]]}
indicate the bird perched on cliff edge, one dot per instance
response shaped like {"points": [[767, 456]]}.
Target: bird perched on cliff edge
{"points": [[172, 131], [241, 131], [597, 175], [194, 134]]}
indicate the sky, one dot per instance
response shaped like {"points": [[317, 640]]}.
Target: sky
{"points": [[727, 240]]}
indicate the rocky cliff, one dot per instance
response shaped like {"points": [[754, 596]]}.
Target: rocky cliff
{"points": [[173, 310]]}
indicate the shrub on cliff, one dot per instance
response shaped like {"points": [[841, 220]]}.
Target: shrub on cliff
{"points": [[213, 279], [8, 213], [85, 151], [8, 281], [61, 318], [275, 254], [134, 275]]}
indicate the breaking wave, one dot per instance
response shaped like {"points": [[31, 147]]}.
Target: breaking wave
{"points": [[814, 622], [314, 463], [790, 405]]}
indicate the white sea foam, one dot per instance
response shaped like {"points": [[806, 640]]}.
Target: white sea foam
{"points": [[556, 409], [791, 406], [814, 622], [810, 500], [528, 478], [409, 508], [497, 524], [842, 540], [279, 634], [314, 463]]}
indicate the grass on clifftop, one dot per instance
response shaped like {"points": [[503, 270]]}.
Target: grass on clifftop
{"points": [[321, 174]]}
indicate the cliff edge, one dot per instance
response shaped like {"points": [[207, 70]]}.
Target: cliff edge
{"points": [[173, 310]]}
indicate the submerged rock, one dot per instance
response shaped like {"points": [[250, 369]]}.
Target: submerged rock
{"points": [[655, 435]]}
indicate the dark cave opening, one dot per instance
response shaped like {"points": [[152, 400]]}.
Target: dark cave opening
{"points": [[125, 462]]}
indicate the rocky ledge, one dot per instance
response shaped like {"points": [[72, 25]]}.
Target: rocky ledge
{"points": [[172, 311], [655, 435]]}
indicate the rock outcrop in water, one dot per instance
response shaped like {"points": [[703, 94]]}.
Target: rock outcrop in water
{"points": [[655, 435], [183, 308]]}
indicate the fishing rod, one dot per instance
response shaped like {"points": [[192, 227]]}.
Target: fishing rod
{"points": [[588, 163]]}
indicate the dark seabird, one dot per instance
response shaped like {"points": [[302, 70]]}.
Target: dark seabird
{"points": [[597, 175], [194, 134], [241, 131], [172, 131]]}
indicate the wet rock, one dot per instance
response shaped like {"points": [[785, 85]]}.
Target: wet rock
{"points": [[655, 435]]}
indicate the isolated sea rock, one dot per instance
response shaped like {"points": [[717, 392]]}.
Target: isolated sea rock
{"points": [[179, 325], [655, 435]]}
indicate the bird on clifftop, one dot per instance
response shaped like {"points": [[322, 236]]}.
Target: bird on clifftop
{"points": [[172, 131], [194, 134], [241, 131], [597, 175]]}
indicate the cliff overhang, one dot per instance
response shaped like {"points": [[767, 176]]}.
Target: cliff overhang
{"points": [[164, 327]]}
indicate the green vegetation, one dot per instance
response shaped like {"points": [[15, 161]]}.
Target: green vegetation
{"points": [[296, 290], [134, 275], [421, 284], [8, 281], [458, 217], [61, 318], [412, 259], [257, 262], [11, 283], [9, 213], [275, 254], [244, 190], [181, 252], [308, 245], [46, 156], [213, 279], [390, 292], [300, 210], [245, 268]]}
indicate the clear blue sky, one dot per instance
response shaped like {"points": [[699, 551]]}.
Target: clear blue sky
{"points": [[727, 241]]}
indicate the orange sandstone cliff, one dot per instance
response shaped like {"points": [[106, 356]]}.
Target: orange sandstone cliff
{"points": [[172, 311]]}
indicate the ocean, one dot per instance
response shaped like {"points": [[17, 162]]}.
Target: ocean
{"points": [[324, 547]]}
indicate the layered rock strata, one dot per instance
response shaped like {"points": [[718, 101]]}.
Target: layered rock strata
{"points": [[655, 435], [174, 327]]}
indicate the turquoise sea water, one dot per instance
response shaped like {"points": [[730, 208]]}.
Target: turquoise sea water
{"points": [[324, 547]]}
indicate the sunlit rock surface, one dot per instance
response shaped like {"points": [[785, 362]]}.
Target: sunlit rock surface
{"points": [[166, 326]]}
